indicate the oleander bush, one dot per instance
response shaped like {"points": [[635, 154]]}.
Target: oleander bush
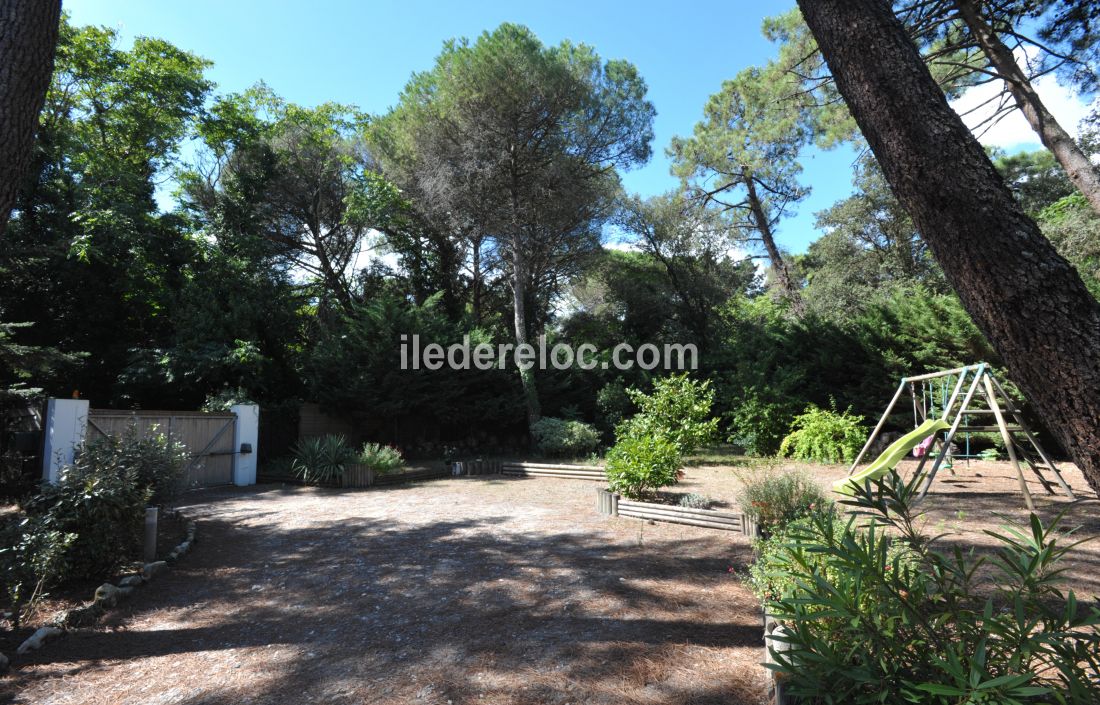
{"points": [[875, 612]]}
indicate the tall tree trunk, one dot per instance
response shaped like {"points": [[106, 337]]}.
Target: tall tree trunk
{"points": [[519, 303], [475, 267], [28, 39], [779, 264], [1081, 171], [1027, 300]]}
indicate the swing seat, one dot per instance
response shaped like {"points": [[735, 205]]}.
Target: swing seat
{"points": [[891, 456]]}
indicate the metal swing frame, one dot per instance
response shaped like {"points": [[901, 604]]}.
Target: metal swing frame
{"points": [[980, 385]]}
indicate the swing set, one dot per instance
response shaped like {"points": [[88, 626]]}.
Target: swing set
{"points": [[939, 416]]}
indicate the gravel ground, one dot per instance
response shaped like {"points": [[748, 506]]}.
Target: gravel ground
{"points": [[477, 590]]}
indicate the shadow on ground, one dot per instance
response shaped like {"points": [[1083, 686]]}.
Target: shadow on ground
{"points": [[289, 603]]}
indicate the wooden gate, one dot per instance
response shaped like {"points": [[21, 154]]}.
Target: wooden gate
{"points": [[208, 438]]}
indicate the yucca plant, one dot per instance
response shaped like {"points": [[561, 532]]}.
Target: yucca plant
{"points": [[321, 460], [381, 459]]}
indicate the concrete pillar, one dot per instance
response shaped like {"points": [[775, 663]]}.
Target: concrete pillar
{"points": [[246, 437], [64, 429]]}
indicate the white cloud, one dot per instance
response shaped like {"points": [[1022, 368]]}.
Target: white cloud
{"points": [[1012, 131]]}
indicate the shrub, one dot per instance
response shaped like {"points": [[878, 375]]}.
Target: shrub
{"points": [[321, 460], [824, 436], [875, 614], [637, 465], [381, 459], [561, 438], [91, 520], [773, 500], [678, 409], [694, 501], [157, 461], [757, 427], [769, 577]]}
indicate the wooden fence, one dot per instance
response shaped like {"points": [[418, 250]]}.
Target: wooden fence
{"points": [[208, 438]]}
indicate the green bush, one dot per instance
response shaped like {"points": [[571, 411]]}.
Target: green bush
{"points": [[875, 613], [774, 500], [824, 436], [561, 438], [381, 459], [678, 409], [91, 520], [322, 460], [158, 462], [638, 465], [758, 427]]}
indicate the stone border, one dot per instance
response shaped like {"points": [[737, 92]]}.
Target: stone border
{"points": [[106, 596]]}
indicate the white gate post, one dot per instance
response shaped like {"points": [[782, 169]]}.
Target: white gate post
{"points": [[64, 429], [246, 437]]}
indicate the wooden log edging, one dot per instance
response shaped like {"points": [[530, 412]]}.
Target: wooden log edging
{"points": [[472, 468], [777, 691], [413, 476], [570, 472], [611, 504]]}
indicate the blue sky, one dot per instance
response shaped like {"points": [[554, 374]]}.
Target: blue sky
{"points": [[363, 53]]}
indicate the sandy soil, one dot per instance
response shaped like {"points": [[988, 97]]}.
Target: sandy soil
{"points": [[980, 496], [474, 590], [477, 590]]}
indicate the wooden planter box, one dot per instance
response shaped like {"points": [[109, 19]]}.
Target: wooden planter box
{"points": [[612, 504]]}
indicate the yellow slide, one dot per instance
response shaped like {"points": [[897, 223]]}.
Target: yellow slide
{"points": [[891, 456]]}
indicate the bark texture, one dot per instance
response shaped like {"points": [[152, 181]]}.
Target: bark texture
{"points": [[779, 264], [28, 39], [1082, 172], [1028, 301]]}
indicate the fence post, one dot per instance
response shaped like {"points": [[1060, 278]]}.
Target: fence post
{"points": [[151, 534], [63, 432], [246, 442]]}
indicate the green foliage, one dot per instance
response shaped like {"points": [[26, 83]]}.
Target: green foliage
{"points": [[775, 499], [677, 409], [1074, 228], [758, 426], [824, 436], [91, 520], [694, 501], [876, 614], [380, 458], [561, 438], [322, 460], [639, 464], [614, 404], [156, 460]]}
